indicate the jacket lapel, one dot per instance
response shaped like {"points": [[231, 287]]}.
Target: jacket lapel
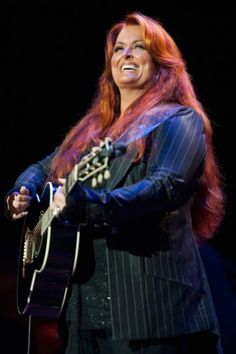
{"points": [[119, 167], [144, 124]]}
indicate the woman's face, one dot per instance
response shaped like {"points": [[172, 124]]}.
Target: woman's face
{"points": [[132, 66]]}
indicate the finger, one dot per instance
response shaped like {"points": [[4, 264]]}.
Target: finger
{"points": [[20, 215], [62, 181], [17, 197], [22, 198], [61, 189], [18, 208], [24, 190]]}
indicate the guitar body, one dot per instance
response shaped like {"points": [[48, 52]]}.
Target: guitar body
{"points": [[46, 262]]}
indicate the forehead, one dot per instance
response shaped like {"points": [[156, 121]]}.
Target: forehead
{"points": [[130, 32]]}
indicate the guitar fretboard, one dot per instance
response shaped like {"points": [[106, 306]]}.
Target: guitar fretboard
{"points": [[47, 219]]}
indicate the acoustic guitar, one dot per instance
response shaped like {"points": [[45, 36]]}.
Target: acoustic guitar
{"points": [[50, 247]]}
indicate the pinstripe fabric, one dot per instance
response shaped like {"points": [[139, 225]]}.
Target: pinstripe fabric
{"points": [[157, 282], [164, 292]]}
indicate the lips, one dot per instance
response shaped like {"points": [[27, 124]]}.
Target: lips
{"points": [[127, 67]]}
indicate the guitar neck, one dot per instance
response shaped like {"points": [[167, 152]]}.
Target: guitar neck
{"points": [[47, 219], [79, 172], [71, 179], [94, 165]]}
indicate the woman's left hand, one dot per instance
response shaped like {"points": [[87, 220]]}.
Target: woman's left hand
{"points": [[59, 200]]}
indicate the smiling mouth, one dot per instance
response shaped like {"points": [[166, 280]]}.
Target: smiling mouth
{"points": [[129, 67]]}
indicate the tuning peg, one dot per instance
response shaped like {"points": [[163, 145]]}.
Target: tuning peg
{"points": [[95, 149], [94, 182], [100, 178], [107, 174]]}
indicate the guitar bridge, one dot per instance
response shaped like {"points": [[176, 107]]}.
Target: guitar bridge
{"points": [[28, 252]]}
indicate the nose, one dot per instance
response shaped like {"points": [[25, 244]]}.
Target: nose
{"points": [[127, 52]]}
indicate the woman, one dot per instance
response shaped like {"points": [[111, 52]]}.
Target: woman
{"points": [[140, 286]]}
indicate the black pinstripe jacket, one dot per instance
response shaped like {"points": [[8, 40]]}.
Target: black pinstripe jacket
{"points": [[157, 282]]}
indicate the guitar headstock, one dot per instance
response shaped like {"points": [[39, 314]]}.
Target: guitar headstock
{"points": [[95, 164]]}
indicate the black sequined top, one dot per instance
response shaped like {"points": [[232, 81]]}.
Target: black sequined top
{"points": [[95, 297]]}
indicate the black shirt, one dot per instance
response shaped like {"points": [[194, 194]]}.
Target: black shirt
{"points": [[95, 297]]}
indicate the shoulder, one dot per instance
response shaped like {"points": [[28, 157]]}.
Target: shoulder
{"points": [[176, 114], [186, 124], [171, 110], [187, 112], [187, 116], [178, 118]]}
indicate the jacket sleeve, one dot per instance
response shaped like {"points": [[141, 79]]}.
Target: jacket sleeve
{"points": [[174, 166], [34, 176]]}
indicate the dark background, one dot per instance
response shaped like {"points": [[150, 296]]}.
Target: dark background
{"points": [[51, 56]]}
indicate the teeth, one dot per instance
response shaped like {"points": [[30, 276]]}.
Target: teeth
{"points": [[128, 67]]}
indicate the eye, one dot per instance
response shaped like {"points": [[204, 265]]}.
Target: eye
{"points": [[117, 48], [140, 46]]}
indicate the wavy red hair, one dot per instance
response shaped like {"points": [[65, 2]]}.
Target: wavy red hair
{"points": [[171, 83]]}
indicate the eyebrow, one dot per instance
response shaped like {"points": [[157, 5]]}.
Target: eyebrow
{"points": [[137, 40]]}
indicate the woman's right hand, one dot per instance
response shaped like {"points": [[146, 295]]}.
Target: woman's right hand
{"points": [[18, 202]]}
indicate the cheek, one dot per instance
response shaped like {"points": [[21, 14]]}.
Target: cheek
{"points": [[150, 68], [114, 66], [146, 59], [114, 61], [113, 71]]}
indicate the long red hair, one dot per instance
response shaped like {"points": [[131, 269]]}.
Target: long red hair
{"points": [[171, 83]]}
